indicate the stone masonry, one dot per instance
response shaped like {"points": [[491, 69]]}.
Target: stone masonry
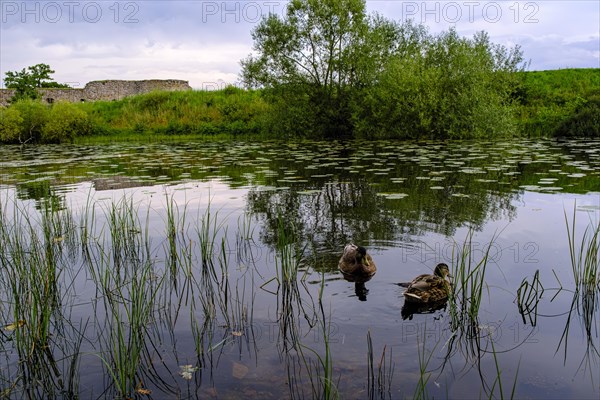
{"points": [[102, 90]]}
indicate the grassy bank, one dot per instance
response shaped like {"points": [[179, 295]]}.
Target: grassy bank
{"points": [[549, 103], [562, 102], [230, 111], [161, 116]]}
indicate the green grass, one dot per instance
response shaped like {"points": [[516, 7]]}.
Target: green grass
{"points": [[562, 102], [229, 112]]}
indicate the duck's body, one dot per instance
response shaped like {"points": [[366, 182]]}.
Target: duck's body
{"points": [[428, 288], [356, 263]]}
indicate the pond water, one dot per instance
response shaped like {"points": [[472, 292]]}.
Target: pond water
{"points": [[209, 270]]}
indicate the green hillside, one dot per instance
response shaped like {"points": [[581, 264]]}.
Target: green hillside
{"points": [[563, 102]]}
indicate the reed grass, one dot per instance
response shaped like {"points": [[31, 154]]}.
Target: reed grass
{"points": [[385, 372], [424, 358], [585, 253], [468, 280], [585, 264], [289, 252], [498, 378], [528, 297], [320, 370], [32, 244]]}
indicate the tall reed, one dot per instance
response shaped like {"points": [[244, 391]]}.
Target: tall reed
{"points": [[585, 254], [468, 278], [585, 264], [385, 372], [528, 297], [32, 258]]}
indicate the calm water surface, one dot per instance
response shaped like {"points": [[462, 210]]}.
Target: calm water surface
{"points": [[209, 270]]}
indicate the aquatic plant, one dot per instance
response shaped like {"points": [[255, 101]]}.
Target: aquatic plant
{"points": [[385, 372], [585, 254], [528, 297], [31, 264], [468, 281], [585, 264]]}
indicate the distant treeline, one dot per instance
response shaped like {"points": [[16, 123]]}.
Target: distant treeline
{"points": [[546, 103]]}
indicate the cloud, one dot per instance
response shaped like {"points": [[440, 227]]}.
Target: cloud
{"points": [[203, 41]]}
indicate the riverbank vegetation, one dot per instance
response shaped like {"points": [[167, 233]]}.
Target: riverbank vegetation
{"points": [[327, 69], [549, 103]]}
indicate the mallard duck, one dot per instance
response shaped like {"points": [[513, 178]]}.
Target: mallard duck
{"points": [[428, 288], [356, 263]]}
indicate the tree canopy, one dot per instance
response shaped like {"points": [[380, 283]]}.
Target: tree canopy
{"points": [[28, 80], [330, 69]]}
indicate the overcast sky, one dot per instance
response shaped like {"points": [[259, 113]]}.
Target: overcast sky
{"points": [[203, 41]]}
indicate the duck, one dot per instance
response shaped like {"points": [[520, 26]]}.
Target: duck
{"points": [[356, 264], [428, 288]]}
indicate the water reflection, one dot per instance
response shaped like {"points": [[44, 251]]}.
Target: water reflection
{"points": [[210, 271], [410, 309]]}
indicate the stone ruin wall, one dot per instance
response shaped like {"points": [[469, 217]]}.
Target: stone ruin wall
{"points": [[102, 90]]}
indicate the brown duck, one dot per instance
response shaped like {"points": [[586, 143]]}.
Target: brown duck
{"points": [[427, 288], [356, 264]]}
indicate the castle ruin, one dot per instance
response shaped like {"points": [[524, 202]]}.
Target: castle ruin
{"points": [[102, 90]]}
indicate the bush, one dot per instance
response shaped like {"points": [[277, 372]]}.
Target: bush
{"points": [[65, 122], [10, 125], [452, 88], [35, 116], [585, 122]]}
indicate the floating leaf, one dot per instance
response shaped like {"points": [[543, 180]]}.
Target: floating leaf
{"points": [[392, 196], [14, 325], [139, 389], [186, 371]]}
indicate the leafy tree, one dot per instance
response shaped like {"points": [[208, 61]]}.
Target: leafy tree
{"points": [[311, 60], [330, 69], [584, 122], [28, 80]]}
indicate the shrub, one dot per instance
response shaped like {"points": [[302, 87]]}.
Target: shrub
{"points": [[452, 88], [65, 122], [35, 116], [10, 125], [584, 122]]}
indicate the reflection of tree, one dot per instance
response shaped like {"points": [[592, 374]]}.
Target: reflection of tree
{"points": [[351, 210], [338, 213], [43, 192]]}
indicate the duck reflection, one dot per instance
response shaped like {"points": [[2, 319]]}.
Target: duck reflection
{"points": [[357, 266], [409, 309]]}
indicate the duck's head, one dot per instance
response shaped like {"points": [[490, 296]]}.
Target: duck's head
{"points": [[361, 256], [442, 270], [358, 252]]}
